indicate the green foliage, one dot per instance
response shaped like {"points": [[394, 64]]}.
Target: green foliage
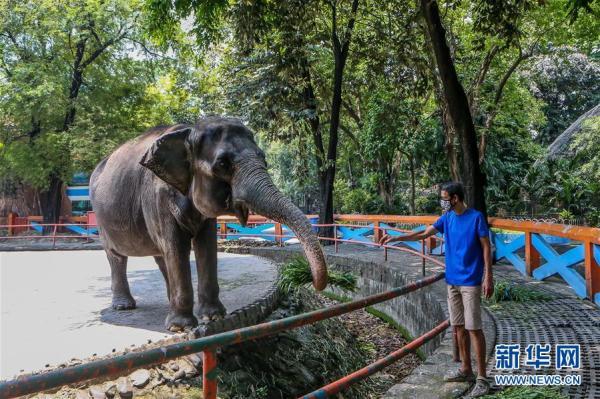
{"points": [[527, 71], [586, 147], [296, 274], [525, 392], [79, 79], [164, 18], [568, 82], [361, 199]]}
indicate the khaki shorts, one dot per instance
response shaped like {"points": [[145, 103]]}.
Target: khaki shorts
{"points": [[464, 306]]}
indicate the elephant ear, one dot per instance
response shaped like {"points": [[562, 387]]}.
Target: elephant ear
{"points": [[169, 158]]}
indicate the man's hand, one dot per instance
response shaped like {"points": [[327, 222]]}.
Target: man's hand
{"points": [[386, 239], [488, 285], [488, 281]]}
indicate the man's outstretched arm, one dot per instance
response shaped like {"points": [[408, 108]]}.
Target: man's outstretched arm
{"points": [[414, 236]]}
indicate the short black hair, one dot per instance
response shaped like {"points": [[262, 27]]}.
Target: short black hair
{"points": [[454, 188]]}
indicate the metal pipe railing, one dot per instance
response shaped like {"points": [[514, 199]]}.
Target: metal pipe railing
{"points": [[345, 382], [118, 365]]}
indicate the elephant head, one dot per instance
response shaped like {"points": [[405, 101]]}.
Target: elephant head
{"points": [[220, 168]]}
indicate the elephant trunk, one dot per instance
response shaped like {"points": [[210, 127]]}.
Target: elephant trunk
{"points": [[252, 186]]}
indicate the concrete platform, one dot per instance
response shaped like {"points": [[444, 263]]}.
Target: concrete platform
{"points": [[56, 305]]}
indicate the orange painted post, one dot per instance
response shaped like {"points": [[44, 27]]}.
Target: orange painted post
{"points": [[592, 271], [278, 233], [377, 232], [223, 230], [209, 374], [431, 244], [532, 256], [11, 221]]}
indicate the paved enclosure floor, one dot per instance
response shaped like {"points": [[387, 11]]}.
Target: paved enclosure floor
{"points": [[56, 305]]}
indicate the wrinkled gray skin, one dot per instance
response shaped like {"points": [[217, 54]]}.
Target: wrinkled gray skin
{"points": [[159, 194]]}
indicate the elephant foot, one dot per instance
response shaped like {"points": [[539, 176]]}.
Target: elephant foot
{"points": [[211, 311], [123, 302], [176, 322]]}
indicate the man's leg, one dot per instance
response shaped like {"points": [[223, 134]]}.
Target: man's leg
{"points": [[478, 339], [457, 320], [464, 347], [472, 306]]}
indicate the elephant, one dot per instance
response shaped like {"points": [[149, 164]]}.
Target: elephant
{"points": [[159, 195]]}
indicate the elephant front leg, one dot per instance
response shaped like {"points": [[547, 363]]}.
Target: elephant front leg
{"points": [[205, 250], [181, 293]]}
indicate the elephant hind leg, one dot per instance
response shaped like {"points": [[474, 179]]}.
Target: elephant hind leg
{"points": [[160, 261], [121, 296]]}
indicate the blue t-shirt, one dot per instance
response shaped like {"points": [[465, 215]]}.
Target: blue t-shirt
{"points": [[464, 255]]}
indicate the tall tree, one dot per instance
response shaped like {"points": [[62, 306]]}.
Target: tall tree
{"points": [[60, 42], [457, 106], [77, 80], [340, 47], [274, 31]]}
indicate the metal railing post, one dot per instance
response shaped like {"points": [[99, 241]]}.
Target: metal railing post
{"points": [[223, 229], [278, 234], [376, 231], [423, 257], [532, 256], [209, 374], [592, 271], [335, 242]]}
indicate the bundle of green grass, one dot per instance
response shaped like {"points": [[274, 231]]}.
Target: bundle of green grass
{"points": [[296, 274], [509, 291]]}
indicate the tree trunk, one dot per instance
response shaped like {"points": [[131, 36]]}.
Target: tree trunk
{"points": [[327, 177], [76, 81], [458, 108], [310, 102], [413, 194], [449, 134], [451, 153], [51, 199], [386, 194]]}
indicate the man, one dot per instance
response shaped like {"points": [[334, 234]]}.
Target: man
{"points": [[468, 273]]}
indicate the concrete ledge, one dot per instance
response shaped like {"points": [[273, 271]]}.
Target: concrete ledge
{"points": [[249, 315]]}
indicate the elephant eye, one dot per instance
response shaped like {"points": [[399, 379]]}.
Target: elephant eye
{"points": [[223, 162]]}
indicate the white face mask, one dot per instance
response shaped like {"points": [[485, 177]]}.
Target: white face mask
{"points": [[446, 205]]}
